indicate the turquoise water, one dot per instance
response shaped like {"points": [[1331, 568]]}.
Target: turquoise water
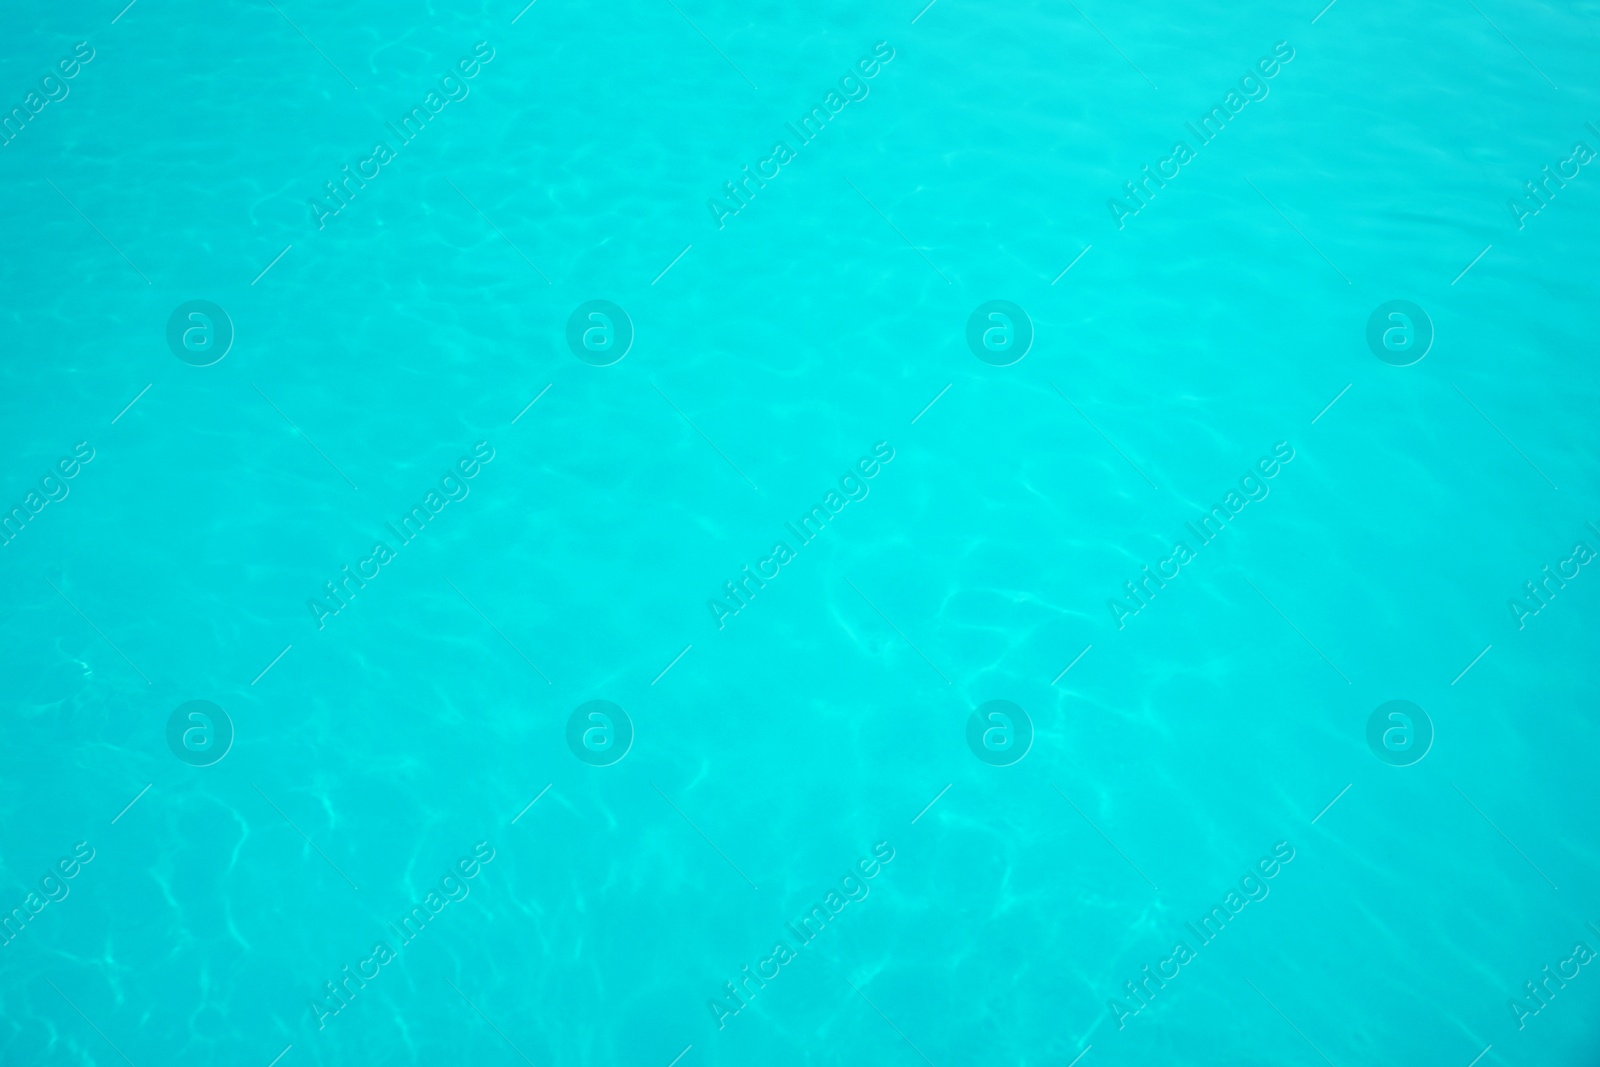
{"points": [[398, 831]]}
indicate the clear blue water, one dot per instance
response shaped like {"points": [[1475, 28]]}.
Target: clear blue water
{"points": [[380, 752]]}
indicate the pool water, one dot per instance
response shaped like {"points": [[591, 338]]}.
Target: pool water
{"points": [[709, 534]]}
